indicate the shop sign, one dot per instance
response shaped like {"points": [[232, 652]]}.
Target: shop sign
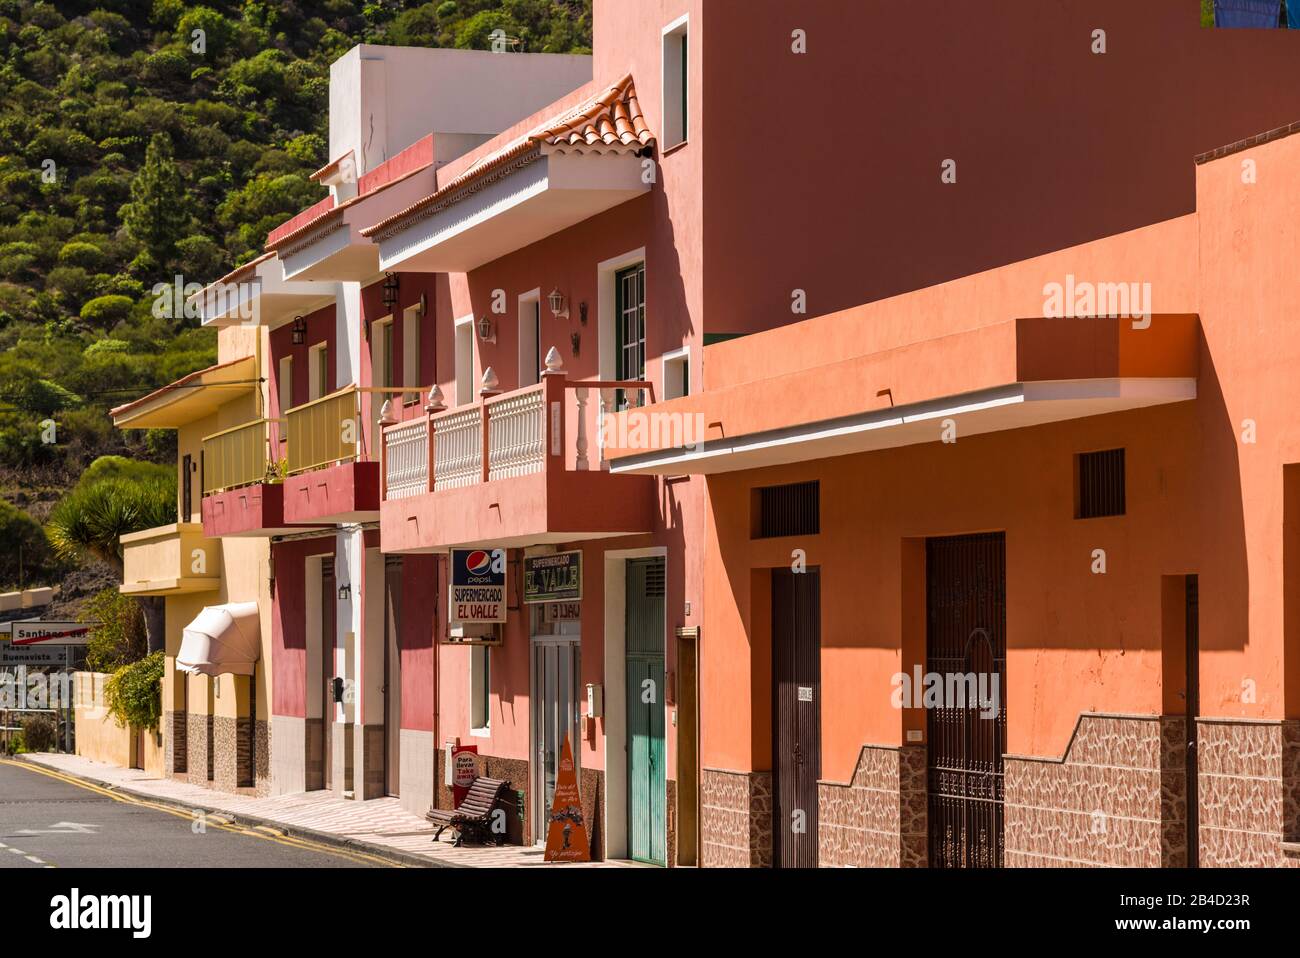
{"points": [[51, 633], [463, 771], [553, 578], [478, 586], [566, 831]]}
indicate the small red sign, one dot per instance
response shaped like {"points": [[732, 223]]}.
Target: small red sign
{"points": [[463, 771]]}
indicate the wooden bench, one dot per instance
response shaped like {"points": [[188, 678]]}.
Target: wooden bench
{"points": [[474, 815]]}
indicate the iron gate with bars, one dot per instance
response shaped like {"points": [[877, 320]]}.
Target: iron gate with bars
{"points": [[966, 635]]}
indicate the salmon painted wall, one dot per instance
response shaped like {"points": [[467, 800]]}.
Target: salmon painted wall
{"points": [[1250, 284], [1076, 641], [823, 170], [1212, 485]]}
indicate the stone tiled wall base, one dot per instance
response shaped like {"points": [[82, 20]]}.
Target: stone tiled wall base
{"points": [[314, 772], [735, 819], [415, 769], [175, 748], [262, 758], [878, 820], [368, 762], [1113, 800], [198, 761], [1249, 778], [231, 754], [514, 771]]}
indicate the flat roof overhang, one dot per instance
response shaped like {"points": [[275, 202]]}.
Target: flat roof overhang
{"points": [[1014, 406], [539, 198], [191, 397], [1010, 375], [335, 250], [261, 297]]}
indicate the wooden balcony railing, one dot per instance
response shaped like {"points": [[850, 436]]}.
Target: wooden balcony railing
{"points": [[236, 457], [523, 432]]}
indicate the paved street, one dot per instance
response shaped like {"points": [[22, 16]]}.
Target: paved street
{"points": [[47, 821]]}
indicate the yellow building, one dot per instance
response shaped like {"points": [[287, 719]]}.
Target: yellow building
{"points": [[217, 686]]}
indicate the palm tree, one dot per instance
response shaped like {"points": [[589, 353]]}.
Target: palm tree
{"points": [[91, 520]]}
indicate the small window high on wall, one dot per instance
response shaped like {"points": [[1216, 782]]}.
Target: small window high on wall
{"points": [[676, 88]]}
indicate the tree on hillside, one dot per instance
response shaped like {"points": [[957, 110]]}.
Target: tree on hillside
{"points": [[92, 518], [158, 215]]}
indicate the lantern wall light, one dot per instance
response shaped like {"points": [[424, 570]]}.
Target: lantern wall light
{"points": [[390, 289], [559, 306], [299, 330], [485, 331]]}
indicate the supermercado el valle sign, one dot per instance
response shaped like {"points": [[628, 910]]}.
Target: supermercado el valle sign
{"points": [[553, 578], [478, 586]]}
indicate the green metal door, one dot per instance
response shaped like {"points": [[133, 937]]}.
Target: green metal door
{"points": [[647, 787]]}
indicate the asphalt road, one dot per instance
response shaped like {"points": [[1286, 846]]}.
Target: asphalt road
{"points": [[46, 821]]}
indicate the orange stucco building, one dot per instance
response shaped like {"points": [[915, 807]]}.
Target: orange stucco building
{"points": [[946, 433]]}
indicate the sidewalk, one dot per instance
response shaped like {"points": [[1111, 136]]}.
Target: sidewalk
{"points": [[380, 826]]}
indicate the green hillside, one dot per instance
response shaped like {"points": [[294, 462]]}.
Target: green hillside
{"points": [[143, 140]]}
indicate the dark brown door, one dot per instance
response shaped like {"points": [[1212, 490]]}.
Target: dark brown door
{"points": [[328, 603], [966, 646], [392, 673], [1193, 628], [796, 715]]}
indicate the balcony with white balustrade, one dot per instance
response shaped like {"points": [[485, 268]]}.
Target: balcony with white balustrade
{"points": [[516, 468]]}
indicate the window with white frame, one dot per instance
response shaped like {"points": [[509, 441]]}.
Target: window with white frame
{"points": [[676, 87], [411, 353], [465, 361], [480, 678], [318, 371]]}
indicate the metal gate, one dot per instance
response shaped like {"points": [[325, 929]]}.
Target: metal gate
{"points": [[796, 715], [647, 765], [965, 639]]}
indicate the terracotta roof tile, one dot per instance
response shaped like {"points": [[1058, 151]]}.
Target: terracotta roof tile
{"points": [[611, 121]]}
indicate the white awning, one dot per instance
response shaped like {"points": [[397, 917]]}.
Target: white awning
{"points": [[222, 639]]}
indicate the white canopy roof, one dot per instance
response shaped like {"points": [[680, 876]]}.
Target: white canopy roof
{"points": [[222, 639]]}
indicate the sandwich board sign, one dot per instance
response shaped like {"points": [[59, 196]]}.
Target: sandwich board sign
{"points": [[566, 831], [478, 586]]}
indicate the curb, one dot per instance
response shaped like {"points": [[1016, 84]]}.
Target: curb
{"points": [[254, 821]]}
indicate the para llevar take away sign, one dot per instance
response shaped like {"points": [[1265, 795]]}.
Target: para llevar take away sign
{"points": [[553, 578], [478, 586]]}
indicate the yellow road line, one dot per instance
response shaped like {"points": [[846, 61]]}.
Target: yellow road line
{"points": [[290, 841]]}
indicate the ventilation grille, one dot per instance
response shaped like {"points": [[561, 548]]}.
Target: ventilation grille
{"points": [[793, 510], [654, 580], [1101, 484]]}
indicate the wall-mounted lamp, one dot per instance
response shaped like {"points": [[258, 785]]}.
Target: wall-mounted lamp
{"points": [[559, 306], [390, 289], [582, 313], [345, 592], [485, 331], [299, 330], [424, 305]]}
